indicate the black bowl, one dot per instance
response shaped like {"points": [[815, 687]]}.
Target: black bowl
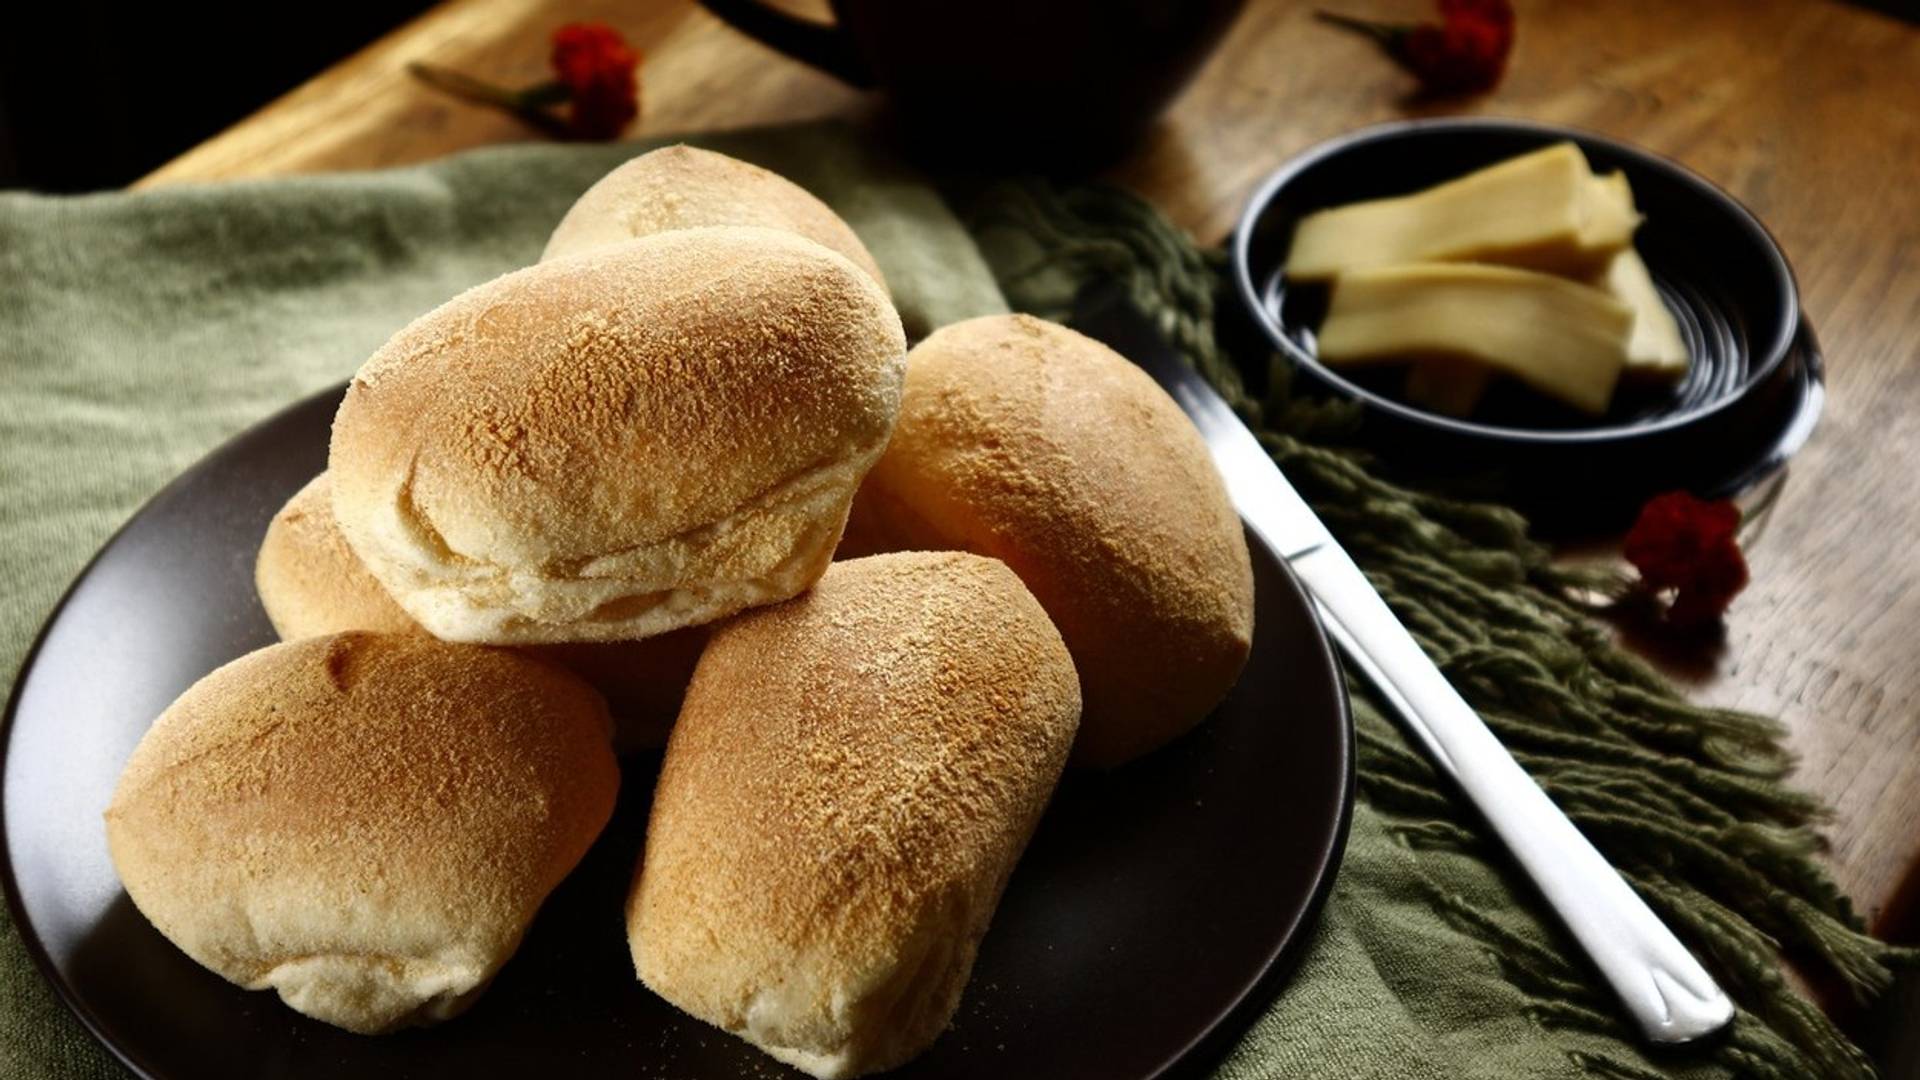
{"points": [[1749, 399]]}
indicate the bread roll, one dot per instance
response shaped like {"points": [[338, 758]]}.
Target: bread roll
{"points": [[309, 580], [684, 187], [618, 443], [311, 583], [365, 823], [851, 780], [1028, 442]]}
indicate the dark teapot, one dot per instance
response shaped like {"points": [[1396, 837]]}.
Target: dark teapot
{"points": [[1080, 77]]}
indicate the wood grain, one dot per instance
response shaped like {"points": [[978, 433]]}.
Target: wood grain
{"points": [[1808, 112], [366, 112]]}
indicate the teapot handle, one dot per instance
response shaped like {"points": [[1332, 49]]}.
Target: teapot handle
{"points": [[826, 46]]}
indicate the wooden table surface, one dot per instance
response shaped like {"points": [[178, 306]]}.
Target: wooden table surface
{"points": [[1809, 112]]}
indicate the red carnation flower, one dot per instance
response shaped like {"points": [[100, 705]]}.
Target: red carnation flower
{"points": [[594, 70], [597, 66], [1465, 53], [1688, 546]]}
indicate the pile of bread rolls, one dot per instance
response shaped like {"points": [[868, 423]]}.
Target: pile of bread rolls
{"points": [[596, 501]]}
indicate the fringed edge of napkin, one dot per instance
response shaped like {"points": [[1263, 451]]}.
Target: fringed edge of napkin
{"points": [[1686, 800]]}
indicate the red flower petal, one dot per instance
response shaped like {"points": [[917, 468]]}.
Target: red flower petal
{"points": [[1465, 53], [1688, 545], [1498, 12], [1717, 579], [597, 66]]}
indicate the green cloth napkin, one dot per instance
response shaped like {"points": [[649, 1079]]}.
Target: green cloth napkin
{"points": [[139, 331]]}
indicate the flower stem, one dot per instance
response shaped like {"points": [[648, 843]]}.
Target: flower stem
{"points": [[465, 86], [528, 105], [545, 94], [1382, 33]]}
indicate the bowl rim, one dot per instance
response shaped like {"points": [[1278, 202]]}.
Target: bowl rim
{"points": [[1779, 343]]}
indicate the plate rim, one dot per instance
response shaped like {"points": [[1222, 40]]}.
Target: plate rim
{"points": [[1276, 968], [36, 950], [1207, 1044]]}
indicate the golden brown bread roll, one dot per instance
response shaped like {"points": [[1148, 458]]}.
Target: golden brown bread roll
{"points": [[311, 583], [365, 823], [309, 580], [852, 778], [618, 443], [1028, 442], [684, 187]]}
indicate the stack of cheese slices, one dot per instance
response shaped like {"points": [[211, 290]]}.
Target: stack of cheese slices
{"points": [[1525, 269], [596, 501]]}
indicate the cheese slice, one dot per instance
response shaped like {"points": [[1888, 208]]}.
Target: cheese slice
{"points": [[1544, 210], [1563, 338], [1448, 387], [1610, 216], [1454, 388], [1655, 352]]}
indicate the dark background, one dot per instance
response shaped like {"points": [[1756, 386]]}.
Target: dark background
{"points": [[97, 95]]}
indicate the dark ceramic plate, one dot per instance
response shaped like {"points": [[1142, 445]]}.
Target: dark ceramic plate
{"points": [[1748, 402], [1148, 920]]}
